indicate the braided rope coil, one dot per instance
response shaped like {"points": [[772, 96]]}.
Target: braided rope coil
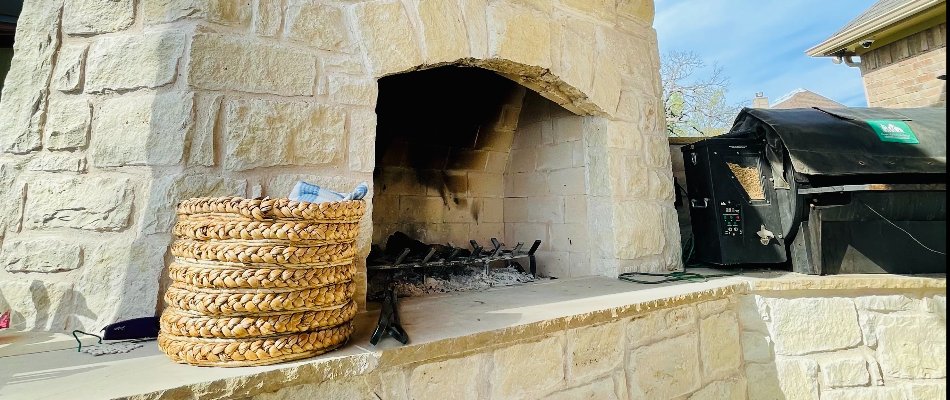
{"points": [[178, 322], [209, 227], [254, 351], [270, 209], [259, 282], [249, 302], [251, 252], [213, 275]]}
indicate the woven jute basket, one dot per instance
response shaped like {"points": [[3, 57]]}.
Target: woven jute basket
{"points": [[260, 281]]}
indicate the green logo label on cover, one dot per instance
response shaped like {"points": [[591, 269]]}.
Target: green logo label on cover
{"points": [[894, 131]]}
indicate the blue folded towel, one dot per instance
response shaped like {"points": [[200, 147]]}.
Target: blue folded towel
{"points": [[304, 191]]}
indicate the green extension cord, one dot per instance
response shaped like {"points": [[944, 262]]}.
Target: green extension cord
{"points": [[683, 276]]}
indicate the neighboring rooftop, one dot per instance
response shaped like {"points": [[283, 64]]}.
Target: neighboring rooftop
{"points": [[804, 98], [881, 24]]}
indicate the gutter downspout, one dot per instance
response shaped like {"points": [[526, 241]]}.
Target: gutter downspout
{"points": [[848, 60]]}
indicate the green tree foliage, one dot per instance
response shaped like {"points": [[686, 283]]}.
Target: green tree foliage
{"points": [[695, 105]]}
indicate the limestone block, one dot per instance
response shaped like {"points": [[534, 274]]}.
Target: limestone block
{"points": [[35, 304], [658, 152], [808, 325], [268, 133], [545, 360], [594, 351], [604, 10], [720, 350], [344, 64], [460, 377], [346, 388], [757, 347], [53, 162], [753, 313], [887, 303], [519, 34], [353, 91], [790, 379], [221, 62], [940, 304], [553, 157], [641, 10], [844, 372], [623, 135], [224, 12], [130, 62], [166, 192], [732, 389], [602, 389], [664, 370], [362, 146], [476, 24], [67, 76], [89, 203], [912, 346], [85, 17], [639, 230], [927, 391], [445, 35], [708, 308], [201, 145], [118, 282], [390, 384], [659, 186], [317, 24], [877, 393], [798, 378], [268, 16], [869, 323], [607, 84], [11, 197], [387, 37], [67, 123], [153, 128], [40, 255], [24, 97]]}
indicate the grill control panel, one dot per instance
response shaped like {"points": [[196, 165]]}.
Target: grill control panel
{"points": [[730, 213]]}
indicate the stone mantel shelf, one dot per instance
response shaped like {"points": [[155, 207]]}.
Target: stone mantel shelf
{"points": [[44, 365]]}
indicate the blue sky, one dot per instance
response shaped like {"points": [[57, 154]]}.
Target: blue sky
{"points": [[761, 43]]}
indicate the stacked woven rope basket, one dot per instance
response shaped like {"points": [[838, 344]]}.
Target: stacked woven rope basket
{"points": [[258, 282]]}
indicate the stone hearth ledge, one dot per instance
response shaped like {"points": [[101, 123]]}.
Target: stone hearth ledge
{"points": [[44, 365]]}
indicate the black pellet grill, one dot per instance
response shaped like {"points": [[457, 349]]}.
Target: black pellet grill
{"points": [[832, 191]]}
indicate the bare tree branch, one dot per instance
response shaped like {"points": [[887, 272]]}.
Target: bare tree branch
{"points": [[695, 105]]}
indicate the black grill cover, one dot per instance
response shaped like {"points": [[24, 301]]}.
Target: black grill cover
{"points": [[837, 142]]}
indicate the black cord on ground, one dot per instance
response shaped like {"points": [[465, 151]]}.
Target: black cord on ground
{"points": [[681, 276]]}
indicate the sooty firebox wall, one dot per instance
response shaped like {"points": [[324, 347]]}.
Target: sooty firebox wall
{"points": [[430, 121]]}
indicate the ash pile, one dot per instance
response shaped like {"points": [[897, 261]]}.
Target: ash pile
{"points": [[415, 268]]}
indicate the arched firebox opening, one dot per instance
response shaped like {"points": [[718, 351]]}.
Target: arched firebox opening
{"points": [[464, 154]]}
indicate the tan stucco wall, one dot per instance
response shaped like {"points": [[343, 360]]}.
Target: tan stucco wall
{"points": [[115, 111], [904, 73]]}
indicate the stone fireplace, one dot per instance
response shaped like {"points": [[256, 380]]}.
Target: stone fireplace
{"points": [[113, 112]]}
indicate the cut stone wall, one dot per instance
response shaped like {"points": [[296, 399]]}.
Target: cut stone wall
{"points": [[888, 345], [791, 343], [545, 195], [112, 113], [904, 73]]}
